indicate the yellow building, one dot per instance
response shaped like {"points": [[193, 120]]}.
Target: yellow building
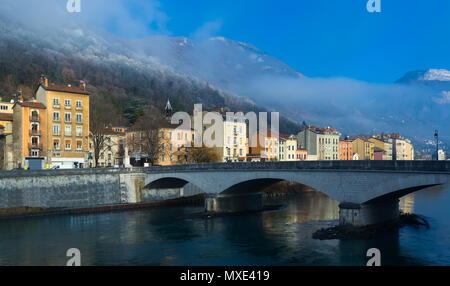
{"points": [[386, 146], [171, 146], [112, 152], [68, 123], [7, 107], [29, 136], [287, 148], [6, 120], [364, 148]]}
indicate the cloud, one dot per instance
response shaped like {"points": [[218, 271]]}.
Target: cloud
{"points": [[350, 105], [207, 30], [444, 99], [131, 18]]}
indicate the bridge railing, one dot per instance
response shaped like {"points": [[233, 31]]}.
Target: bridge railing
{"points": [[390, 166]]}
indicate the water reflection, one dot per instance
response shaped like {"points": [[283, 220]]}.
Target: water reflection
{"points": [[169, 236]]}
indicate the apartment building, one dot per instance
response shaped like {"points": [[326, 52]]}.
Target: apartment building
{"points": [[68, 123], [287, 148], [30, 135], [169, 147], [364, 148], [345, 149], [321, 143], [112, 153], [301, 154], [383, 145]]}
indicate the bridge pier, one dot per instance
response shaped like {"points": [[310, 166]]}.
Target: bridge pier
{"points": [[225, 203], [368, 214]]}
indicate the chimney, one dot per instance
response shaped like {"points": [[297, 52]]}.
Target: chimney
{"points": [[44, 80], [83, 85]]}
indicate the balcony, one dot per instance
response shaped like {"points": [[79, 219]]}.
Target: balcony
{"points": [[56, 106], [68, 106], [35, 132], [56, 119], [35, 119], [79, 108], [34, 146]]}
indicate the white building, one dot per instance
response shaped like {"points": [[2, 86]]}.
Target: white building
{"points": [[234, 137], [287, 148], [441, 155]]}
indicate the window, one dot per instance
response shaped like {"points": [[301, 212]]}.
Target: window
{"points": [[163, 158], [68, 145], [171, 158], [68, 130], [56, 145], [67, 103], [162, 135], [79, 131], [79, 118], [67, 117], [55, 116], [79, 144], [56, 130], [78, 104], [178, 136], [4, 107], [55, 101]]}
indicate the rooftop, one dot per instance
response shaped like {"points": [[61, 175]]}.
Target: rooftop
{"points": [[65, 88]]}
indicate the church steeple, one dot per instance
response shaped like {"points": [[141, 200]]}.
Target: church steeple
{"points": [[168, 110]]}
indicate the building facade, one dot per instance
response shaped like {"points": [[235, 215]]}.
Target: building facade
{"points": [[364, 148], [30, 135], [68, 124], [383, 145], [321, 143], [287, 148], [345, 150]]}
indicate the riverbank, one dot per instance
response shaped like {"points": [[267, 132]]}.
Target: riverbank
{"points": [[22, 212], [347, 232]]}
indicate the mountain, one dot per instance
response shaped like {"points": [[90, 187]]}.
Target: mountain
{"points": [[133, 74], [139, 75], [435, 78], [217, 60]]}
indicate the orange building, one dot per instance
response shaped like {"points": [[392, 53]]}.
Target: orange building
{"points": [[301, 154], [30, 134], [345, 149], [68, 123]]}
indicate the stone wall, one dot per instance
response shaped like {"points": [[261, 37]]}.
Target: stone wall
{"points": [[71, 191]]}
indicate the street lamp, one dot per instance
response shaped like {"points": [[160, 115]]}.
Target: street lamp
{"points": [[436, 135]]}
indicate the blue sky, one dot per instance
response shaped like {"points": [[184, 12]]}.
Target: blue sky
{"points": [[320, 38]]}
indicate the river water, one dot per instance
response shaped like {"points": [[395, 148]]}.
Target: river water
{"points": [[169, 236]]}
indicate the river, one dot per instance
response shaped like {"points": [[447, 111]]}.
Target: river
{"points": [[169, 236]]}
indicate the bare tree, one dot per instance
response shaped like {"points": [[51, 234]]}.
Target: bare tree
{"points": [[101, 118], [148, 139], [203, 154]]}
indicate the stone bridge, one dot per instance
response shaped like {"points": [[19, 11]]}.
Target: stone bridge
{"points": [[368, 191]]}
